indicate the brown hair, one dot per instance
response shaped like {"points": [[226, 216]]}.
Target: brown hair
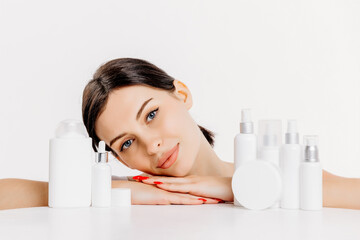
{"points": [[119, 73]]}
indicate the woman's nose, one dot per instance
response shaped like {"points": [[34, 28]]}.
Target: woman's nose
{"points": [[153, 145]]}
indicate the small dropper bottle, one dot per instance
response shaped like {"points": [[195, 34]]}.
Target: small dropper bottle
{"points": [[101, 179], [311, 176]]}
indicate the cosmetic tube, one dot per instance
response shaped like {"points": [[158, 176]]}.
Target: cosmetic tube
{"points": [[290, 158], [70, 159], [101, 179], [311, 176]]}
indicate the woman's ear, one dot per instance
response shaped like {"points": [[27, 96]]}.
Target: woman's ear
{"points": [[183, 93]]}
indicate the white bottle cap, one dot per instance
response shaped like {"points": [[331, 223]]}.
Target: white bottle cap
{"points": [[120, 197], [71, 128], [257, 185], [310, 140]]}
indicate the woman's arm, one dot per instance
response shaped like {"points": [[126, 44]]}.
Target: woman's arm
{"points": [[22, 193], [340, 192]]}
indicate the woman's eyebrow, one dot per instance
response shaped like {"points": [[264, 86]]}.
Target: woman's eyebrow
{"points": [[137, 118]]}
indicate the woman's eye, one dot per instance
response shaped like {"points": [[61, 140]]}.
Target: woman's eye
{"points": [[126, 144], [152, 114]]}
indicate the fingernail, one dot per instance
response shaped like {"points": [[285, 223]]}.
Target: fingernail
{"points": [[204, 200], [140, 177], [158, 182], [219, 200]]}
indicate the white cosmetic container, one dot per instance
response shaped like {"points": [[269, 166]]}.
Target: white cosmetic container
{"points": [[290, 158], [269, 140], [101, 179], [245, 141], [257, 185], [311, 176], [70, 159]]}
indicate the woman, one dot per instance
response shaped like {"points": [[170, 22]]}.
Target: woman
{"points": [[142, 114]]}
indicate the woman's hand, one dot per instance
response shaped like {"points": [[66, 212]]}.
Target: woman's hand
{"points": [[150, 194], [205, 186]]}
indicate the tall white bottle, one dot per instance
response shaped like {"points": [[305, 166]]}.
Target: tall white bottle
{"points": [[290, 158], [269, 144], [101, 179], [311, 176], [245, 141], [70, 159]]}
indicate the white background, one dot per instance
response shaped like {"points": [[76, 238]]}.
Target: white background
{"points": [[283, 59]]}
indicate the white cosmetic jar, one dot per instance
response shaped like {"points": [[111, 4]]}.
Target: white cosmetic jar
{"points": [[257, 184]]}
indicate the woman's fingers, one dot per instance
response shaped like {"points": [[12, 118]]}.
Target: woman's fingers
{"points": [[157, 180], [187, 199]]}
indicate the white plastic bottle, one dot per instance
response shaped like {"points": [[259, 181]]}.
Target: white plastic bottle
{"points": [[101, 179], [290, 158], [269, 144], [311, 176], [70, 159], [245, 141]]}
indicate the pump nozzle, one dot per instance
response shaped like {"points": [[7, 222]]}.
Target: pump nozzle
{"points": [[246, 125], [245, 115], [292, 135]]}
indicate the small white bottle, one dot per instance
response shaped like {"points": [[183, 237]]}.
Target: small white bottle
{"points": [[101, 179], [290, 158], [245, 141], [311, 176]]}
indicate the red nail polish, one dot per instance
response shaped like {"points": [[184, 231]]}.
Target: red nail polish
{"points": [[136, 177], [219, 200], [204, 200], [143, 178], [158, 182]]}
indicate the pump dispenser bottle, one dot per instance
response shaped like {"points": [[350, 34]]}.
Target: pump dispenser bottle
{"points": [[290, 158], [245, 141], [269, 144], [101, 179], [269, 140], [311, 176]]}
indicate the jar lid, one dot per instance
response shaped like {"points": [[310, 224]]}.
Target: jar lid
{"points": [[120, 197], [257, 184]]}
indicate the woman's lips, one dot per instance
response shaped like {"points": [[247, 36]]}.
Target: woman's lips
{"points": [[171, 159]]}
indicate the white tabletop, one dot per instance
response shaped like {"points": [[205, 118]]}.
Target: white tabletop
{"points": [[207, 221]]}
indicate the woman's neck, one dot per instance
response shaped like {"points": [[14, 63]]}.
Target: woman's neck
{"points": [[207, 163]]}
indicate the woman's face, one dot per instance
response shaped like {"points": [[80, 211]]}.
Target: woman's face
{"points": [[149, 134]]}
